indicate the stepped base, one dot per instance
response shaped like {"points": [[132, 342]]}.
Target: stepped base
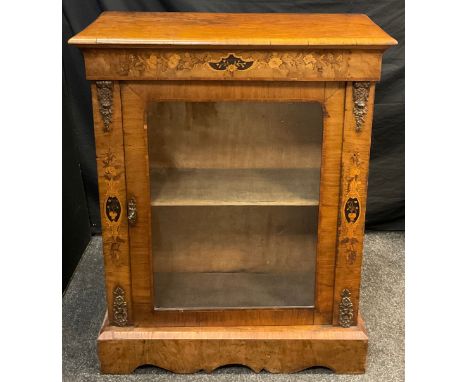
{"points": [[276, 349]]}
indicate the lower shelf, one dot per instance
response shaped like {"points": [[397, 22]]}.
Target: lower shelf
{"points": [[180, 290], [277, 349]]}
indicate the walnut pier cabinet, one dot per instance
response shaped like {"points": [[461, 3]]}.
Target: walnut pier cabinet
{"points": [[233, 154]]}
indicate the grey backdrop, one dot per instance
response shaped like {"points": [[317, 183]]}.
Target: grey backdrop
{"points": [[386, 200]]}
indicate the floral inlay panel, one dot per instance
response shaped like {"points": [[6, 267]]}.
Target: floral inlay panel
{"points": [[294, 65]]}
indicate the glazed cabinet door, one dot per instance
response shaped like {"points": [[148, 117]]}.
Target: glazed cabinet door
{"points": [[233, 199]]}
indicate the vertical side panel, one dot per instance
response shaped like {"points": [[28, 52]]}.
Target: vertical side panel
{"points": [[138, 190], [333, 114], [355, 165], [112, 198]]}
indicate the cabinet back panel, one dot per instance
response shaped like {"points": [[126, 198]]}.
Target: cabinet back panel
{"points": [[234, 134], [234, 256], [234, 239]]}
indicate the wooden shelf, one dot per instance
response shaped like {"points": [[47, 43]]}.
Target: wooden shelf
{"points": [[189, 290], [286, 187]]}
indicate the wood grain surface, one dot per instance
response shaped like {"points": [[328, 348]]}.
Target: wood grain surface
{"points": [[354, 174], [333, 105], [112, 186], [230, 29], [239, 194], [305, 64], [136, 96], [276, 349]]}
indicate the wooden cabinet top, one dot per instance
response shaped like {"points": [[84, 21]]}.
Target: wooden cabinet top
{"points": [[175, 29]]}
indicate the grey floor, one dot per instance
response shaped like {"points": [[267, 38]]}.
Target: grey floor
{"points": [[382, 306]]}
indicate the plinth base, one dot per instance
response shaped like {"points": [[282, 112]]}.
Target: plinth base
{"points": [[277, 349]]}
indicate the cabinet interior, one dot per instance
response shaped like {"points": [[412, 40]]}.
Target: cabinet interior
{"points": [[234, 203]]}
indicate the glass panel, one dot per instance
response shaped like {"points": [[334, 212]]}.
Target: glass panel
{"points": [[234, 195]]}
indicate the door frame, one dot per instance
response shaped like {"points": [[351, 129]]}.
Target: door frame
{"points": [[134, 96]]}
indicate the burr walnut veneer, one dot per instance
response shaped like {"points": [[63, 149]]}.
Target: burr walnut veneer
{"points": [[232, 154]]}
